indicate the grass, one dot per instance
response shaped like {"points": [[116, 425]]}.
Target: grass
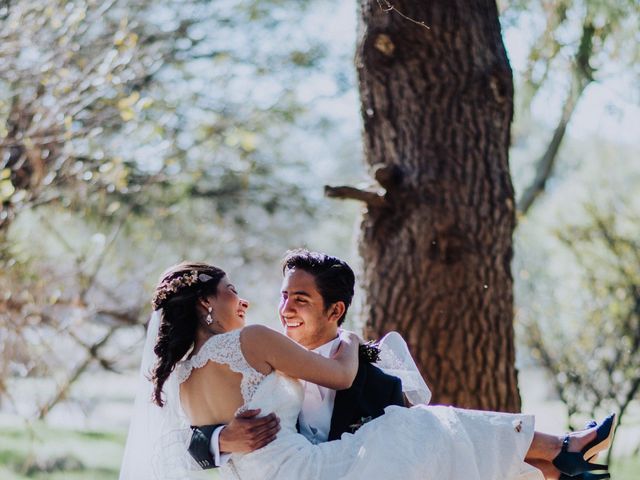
{"points": [[41, 452], [625, 468]]}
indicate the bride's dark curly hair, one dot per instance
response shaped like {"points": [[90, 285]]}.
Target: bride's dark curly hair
{"points": [[177, 294]]}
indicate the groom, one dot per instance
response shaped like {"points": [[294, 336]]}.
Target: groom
{"points": [[316, 293]]}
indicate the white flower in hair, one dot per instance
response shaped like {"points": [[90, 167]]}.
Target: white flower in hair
{"points": [[186, 280]]}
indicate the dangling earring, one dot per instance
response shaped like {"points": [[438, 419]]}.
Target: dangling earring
{"points": [[209, 317]]}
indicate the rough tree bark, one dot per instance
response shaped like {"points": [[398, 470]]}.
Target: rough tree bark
{"points": [[436, 246]]}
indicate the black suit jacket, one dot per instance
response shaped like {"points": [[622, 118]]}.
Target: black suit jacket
{"points": [[372, 390]]}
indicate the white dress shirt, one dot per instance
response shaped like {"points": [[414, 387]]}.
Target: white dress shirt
{"points": [[315, 417], [317, 407]]}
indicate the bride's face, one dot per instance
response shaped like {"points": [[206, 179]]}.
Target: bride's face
{"points": [[228, 309]]}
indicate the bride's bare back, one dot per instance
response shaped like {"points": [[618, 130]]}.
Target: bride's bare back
{"points": [[211, 394]]}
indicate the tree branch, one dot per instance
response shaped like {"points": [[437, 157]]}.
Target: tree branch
{"points": [[125, 317], [547, 162], [63, 390], [581, 77], [90, 281], [372, 199], [388, 176]]}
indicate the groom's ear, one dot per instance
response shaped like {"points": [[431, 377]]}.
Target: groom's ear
{"points": [[336, 311]]}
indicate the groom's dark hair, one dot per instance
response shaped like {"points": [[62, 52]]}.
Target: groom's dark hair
{"points": [[334, 278]]}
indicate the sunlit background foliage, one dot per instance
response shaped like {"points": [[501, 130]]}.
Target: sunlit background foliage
{"points": [[137, 134]]}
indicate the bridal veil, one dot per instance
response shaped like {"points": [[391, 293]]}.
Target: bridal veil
{"points": [[156, 447]]}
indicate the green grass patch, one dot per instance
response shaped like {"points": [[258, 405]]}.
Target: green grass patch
{"points": [[625, 468], [40, 452]]}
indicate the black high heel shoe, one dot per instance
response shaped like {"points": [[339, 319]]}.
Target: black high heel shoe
{"points": [[573, 463], [585, 476]]}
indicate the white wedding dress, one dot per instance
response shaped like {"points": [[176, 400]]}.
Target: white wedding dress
{"points": [[421, 443]]}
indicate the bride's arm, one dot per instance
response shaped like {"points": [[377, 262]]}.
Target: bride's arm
{"points": [[263, 346]]}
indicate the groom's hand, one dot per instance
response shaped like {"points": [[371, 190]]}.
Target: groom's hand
{"points": [[246, 433]]}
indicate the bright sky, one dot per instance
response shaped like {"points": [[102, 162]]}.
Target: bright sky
{"points": [[606, 108]]}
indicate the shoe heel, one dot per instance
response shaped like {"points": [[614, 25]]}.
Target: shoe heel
{"points": [[596, 476], [573, 463], [595, 466], [585, 476]]}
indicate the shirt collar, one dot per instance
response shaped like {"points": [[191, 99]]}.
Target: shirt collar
{"points": [[328, 348]]}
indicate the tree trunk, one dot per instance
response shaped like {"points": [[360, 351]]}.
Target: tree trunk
{"points": [[437, 104]]}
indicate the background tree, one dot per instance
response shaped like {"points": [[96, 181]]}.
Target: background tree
{"points": [[594, 352], [582, 61], [132, 138], [211, 143], [573, 43], [437, 104]]}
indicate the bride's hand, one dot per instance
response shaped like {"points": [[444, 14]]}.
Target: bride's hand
{"points": [[349, 338], [348, 341]]}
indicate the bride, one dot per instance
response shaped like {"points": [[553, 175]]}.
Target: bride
{"points": [[208, 366]]}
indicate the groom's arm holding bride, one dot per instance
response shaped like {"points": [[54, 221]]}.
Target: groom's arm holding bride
{"points": [[245, 433], [371, 392]]}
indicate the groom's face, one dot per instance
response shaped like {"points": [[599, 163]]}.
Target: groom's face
{"points": [[302, 311]]}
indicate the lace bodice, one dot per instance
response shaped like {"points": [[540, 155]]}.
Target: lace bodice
{"points": [[224, 348]]}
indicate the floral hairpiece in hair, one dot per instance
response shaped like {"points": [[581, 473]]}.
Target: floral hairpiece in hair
{"points": [[186, 280]]}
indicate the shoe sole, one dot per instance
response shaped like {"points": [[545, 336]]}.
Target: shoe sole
{"points": [[604, 444]]}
